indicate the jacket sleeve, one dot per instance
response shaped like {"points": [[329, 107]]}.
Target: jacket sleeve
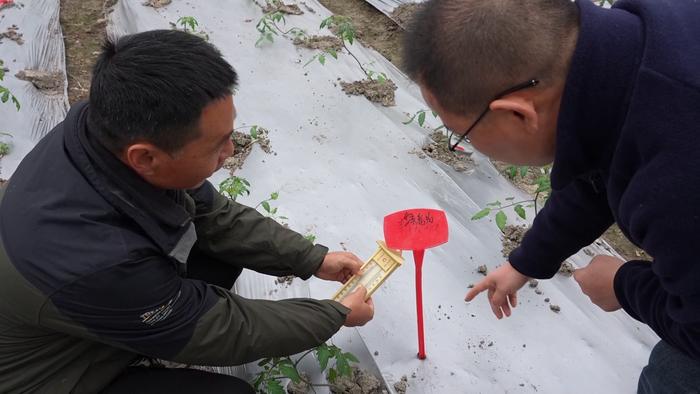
{"points": [[664, 218], [572, 218], [145, 307], [240, 235]]}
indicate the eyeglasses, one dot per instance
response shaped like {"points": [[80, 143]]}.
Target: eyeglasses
{"points": [[455, 139]]}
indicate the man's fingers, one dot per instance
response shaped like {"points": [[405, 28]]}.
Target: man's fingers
{"points": [[352, 262], [478, 288], [499, 301], [513, 298]]}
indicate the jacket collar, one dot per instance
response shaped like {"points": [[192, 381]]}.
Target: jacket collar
{"points": [[597, 92], [160, 213]]}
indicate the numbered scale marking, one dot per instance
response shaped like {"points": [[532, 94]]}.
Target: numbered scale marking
{"points": [[374, 271]]}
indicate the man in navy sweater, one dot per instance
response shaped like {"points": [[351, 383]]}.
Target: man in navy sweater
{"points": [[612, 98]]}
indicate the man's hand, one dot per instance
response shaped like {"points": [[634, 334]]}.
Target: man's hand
{"points": [[361, 311], [339, 266], [596, 281], [503, 285]]}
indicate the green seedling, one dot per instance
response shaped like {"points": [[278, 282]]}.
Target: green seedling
{"points": [[420, 117], [543, 191], [277, 369], [234, 187], [5, 94], [268, 28]]}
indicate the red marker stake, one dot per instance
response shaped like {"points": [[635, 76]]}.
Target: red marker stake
{"points": [[416, 230], [418, 259]]}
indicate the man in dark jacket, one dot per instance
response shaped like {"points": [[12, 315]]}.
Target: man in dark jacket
{"points": [[612, 98], [115, 247]]}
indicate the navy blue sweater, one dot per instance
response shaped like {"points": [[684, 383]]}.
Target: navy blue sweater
{"points": [[628, 151]]}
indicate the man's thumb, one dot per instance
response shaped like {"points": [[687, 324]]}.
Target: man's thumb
{"points": [[360, 292]]}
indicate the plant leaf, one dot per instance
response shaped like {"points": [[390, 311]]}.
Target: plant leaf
{"points": [[322, 59], [289, 371], [501, 220], [421, 119], [520, 211], [332, 375], [266, 206], [323, 354], [351, 357], [274, 195], [274, 387], [481, 214]]}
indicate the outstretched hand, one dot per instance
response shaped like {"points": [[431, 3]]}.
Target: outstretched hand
{"points": [[502, 285]]}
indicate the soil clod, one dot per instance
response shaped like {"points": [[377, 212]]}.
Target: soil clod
{"points": [[322, 43], [374, 90], [401, 386], [49, 82], [512, 237], [12, 33], [361, 382], [567, 269], [437, 148]]}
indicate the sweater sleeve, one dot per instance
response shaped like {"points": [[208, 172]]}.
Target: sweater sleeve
{"points": [[572, 218], [663, 217]]}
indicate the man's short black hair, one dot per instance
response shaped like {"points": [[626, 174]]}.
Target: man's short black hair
{"points": [[152, 86], [467, 51]]}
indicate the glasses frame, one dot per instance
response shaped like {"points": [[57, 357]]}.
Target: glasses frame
{"points": [[463, 136]]}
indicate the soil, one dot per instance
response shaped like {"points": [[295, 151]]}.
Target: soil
{"points": [[437, 149], [374, 90], [300, 388], [373, 28], [279, 6], [512, 237], [46, 82], [483, 270], [157, 3], [567, 269], [533, 283], [401, 386], [361, 382], [12, 33], [554, 308], [323, 43], [83, 23], [243, 144], [403, 14], [285, 280]]}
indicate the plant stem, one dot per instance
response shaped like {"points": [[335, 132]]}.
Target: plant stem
{"points": [[514, 204], [356, 59], [302, 356]]}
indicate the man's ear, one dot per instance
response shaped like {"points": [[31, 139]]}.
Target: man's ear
{"points": [[144, 158], [521, 107]]}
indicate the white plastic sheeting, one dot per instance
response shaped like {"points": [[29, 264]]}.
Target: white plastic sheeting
{"points": [[340, 164], [387, 7], [42, 50]]}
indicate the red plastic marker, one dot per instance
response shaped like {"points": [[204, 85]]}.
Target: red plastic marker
{"points": [[416, 230]]}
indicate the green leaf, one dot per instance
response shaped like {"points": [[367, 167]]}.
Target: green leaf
{"points": [[481, 214], [333, 53], [289, 371], [14, 100], [343, 366], [266, 206], [323, 354], [523, 171], [274, 195], [501, 220], [520, 211], [512, 172], [254, 132], [5, 96], [311, 238], [421, 119], [322, 59], [351, 357], [274, 210], [494, 204], [274, 387], [332, 375]]}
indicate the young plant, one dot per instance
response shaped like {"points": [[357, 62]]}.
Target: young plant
{"points": [[189, 25], [268, 28], [5, 93], [268, 209], [276, 369], [343, 28], [544, 189], [234, 187], [420, 117]]}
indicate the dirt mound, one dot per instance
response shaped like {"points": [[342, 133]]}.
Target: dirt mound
{"points": [[323, 43], [374, 90]]}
